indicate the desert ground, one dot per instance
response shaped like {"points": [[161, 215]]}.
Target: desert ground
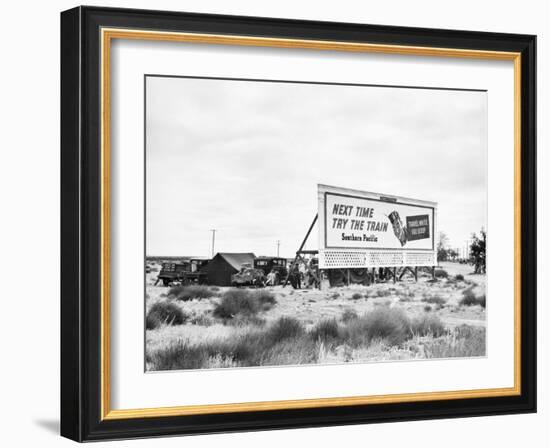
{"points": [[200, 327]]}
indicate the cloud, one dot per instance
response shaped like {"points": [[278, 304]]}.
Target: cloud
{"points": [[245, 157]]}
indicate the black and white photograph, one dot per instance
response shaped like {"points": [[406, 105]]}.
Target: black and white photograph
{"points": [[295, 223], [291, 220]]}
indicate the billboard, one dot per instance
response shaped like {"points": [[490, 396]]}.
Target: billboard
{"points": [[376, 225]]}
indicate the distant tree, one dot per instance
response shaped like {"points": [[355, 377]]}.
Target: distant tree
{"points": [[452, 254], [478, 251], [442, 251]]}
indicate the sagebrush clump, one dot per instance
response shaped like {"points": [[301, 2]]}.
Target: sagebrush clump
{"points": [[349, 314], [243, 302], [391, 324], [285, 328], [191, 292], [325, 330], [464, 341], [434, 299], [427, 324], [164, 313], [470, 299]]}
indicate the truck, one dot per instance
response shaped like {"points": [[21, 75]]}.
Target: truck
{"points": [[183, 272]]}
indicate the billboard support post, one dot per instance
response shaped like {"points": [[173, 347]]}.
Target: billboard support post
{"points": [[300, 251]]}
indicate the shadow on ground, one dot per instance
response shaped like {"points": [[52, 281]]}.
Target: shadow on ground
{"points": [[51, 426]]}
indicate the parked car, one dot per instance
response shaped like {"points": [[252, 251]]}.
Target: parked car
{"points": [[277, 264], [248, 276]]}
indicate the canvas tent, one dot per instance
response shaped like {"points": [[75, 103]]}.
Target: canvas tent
{"points": [[224, 265]]}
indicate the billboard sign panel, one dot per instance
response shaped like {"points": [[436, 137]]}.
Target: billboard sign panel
{"points": [[418, 227], [352, 220]]}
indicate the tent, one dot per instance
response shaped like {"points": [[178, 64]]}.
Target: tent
{"points": [[220, 269]]}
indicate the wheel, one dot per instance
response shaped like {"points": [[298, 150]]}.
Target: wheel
{"points": [[360, 276], [336, 277]]}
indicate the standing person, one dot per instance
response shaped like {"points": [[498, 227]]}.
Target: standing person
{"points": [[277, 278], [303, 270], [271, 278], [295, 277], [313, 279]]}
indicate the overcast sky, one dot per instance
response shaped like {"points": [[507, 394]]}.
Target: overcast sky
{"points": [[245, 158]]}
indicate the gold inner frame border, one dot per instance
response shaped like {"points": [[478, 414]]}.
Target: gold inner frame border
{"points": [[107, 35]]}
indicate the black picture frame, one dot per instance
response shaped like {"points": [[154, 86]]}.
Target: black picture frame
{"points": [[81, 224]]}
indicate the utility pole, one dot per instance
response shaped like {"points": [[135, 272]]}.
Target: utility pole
{"points": [[213, 240], [278, 244]]}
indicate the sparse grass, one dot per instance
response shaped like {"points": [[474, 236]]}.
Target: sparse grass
{"points": [[427, 324], [284, 342], [242, 320], [434, 299], [285, 328], [294, 351], [178, 355], [264, 297], [348, 315], [325, 330], [383, 293], [234, 328], [391, 324], [201, 319], [464, 341], [235, 302], [243, 302], [191, 292], [470, 299], [280, 344], [164, 313]]}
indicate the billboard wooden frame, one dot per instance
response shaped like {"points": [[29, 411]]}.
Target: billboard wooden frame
{"points": [[326, 250], [86, 35]]}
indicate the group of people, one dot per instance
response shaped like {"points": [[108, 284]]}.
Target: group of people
{"points": [[272, 278], [304, 274]]}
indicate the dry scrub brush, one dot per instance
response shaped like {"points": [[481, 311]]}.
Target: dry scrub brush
{"points": [[427, 324], [191, 292], [243, 302], [164, 313], [469, 298], [434, 299], [326, 330], [286, 341], [465, 341]]}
